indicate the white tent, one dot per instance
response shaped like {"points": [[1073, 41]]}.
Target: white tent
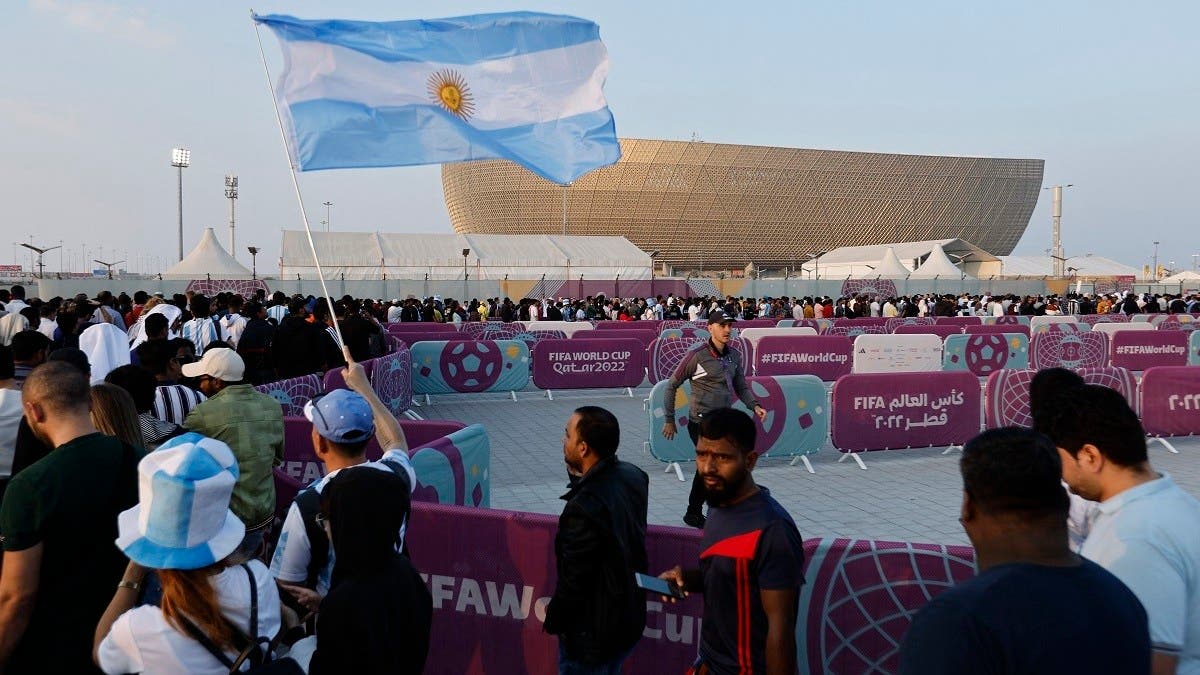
{"points": [[1180, 277], [937, 266], [207, 260], [369, 255], [890, 267]]}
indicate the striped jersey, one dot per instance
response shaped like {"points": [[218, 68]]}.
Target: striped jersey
{"points": [[173, 402]]}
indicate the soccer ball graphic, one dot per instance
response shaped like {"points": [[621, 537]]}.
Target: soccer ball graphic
{"points": [[986, 353], [471, 366]]}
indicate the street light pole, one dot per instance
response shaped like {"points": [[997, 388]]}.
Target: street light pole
{"points": [[466, 252], [328, 215], [181, 158], [1154, 272], [231, 193], [253, 266]]}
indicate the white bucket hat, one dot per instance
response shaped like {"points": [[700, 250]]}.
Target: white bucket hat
{"points": [[182, 520]]}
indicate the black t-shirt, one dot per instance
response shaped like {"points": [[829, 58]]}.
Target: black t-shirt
{"points": [[1026, 618], [748, 547], [69, 502]]}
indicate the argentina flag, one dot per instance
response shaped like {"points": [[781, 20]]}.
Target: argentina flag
{"points": [[520, 86]]}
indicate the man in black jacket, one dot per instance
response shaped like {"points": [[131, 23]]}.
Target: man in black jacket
{"points": [[597, 610]]}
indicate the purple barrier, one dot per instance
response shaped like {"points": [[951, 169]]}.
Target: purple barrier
{"points": [[1006, 393], [860, 598], [629, 325], [421, 327], [1170, 401], [754, 323], [1173, 323], [682, 323], [1094, 319], [300, 463], [391, 378], [293, 392], [998, 328], [892, 323], [412, 338], [666, 355], [850, 330], [646, 337], [1054, 348], [585, 364], [957, 321], [491, 582], [1140, 350], [827, 357], [862, 321], [880, 411], [942, 331], [334, 380]]}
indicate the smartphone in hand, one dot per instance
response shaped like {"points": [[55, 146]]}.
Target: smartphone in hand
{"points": [[660, 586]]}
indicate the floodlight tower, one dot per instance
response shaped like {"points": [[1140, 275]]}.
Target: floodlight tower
{"points": [[40, 252], [180, 159], [231, 193]]}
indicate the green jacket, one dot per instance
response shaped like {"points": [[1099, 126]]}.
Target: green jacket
{"points": [[251, 424]]}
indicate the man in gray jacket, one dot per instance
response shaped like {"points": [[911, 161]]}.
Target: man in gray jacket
{"points": [[717, 378]]}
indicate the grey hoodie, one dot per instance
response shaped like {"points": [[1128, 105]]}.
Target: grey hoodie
{"points": [[716, 379]]}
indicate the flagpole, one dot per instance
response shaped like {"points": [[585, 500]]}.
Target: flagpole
{"points": [[296, 184]]}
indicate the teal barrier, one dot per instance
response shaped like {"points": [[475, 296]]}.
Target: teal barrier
{"points": [[985, 353], [797, 421], [466, 366], [1194, 349]]}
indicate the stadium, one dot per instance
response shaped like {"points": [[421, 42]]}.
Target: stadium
{"points": [[707, 207]]}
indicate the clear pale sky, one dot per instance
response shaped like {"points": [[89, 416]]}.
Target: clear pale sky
{"points": [[97, 93]]}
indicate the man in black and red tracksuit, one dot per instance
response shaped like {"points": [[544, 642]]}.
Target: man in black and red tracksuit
{"points": [[751, 560], [718, 379]]}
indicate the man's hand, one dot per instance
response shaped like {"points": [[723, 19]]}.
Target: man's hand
{"points": [[761, 412], [356, 377], [674, 576], [308, 598], [668, 430]]}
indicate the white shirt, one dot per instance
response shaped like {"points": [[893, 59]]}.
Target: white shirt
{"points": [[277, 312], [47, 326], [693, 311], [141, 640], [293, 553], [889, 310], [233, 325], [1149, 538], [11, 324], [10, 419], [533, 312], [393, 315]]}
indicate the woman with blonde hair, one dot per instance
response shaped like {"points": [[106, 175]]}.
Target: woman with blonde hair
{"points": [[114, 414]]}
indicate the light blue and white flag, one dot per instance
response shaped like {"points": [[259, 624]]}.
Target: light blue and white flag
{"points": [[521, 86]]}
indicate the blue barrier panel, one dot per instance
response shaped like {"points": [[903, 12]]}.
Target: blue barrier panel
{"points": [[797, 418], [985, 353], [455, 469], [1194, 349], [464, 367]]}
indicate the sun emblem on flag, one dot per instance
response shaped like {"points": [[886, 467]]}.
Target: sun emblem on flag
{"points": [[450, 90]]}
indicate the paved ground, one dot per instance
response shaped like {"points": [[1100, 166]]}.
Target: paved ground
{"points": [[910, 495]]}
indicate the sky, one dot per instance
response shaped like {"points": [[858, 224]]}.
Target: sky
{"points": [[96, 93]]}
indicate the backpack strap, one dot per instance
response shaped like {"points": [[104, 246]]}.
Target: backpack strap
{"points": [[248, 648], [308, 501]]}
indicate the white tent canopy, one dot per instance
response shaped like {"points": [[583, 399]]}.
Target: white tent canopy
{"points": [[208, 259], [370, 255], [937, 266], [891, 267], [1186, 275]]}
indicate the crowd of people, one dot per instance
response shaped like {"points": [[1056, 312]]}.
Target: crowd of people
{"points": [[138, 529]]}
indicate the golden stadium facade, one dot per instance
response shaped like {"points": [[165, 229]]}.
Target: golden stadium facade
{"points": [[713, 206]]}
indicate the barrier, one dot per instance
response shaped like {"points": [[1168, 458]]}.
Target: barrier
{"points": [[1141, 350], [819, 325], [1061, 328], [420, 327], [755, 323], [1006, 393], [991, 328], [582, 363], [333, 377], [753, 335], [942, 332], [646, 337], [1111, 328], [860, 598], [469, 366], [961, 321], [1006, 320], [861, 321], [1094, 319], [854, 331], [683, 323], [569, 328], [667, 354], [881, 411], [411, 339], [452, 461], [897, 353], [293, 392], [796, 425], [687, 333], [629, 325], [391, 378], [1194, 349], [1068, 350], [1036, 321], [1183, 322], [984, 354], [1169, 397], [824, 356], [894, 322]]}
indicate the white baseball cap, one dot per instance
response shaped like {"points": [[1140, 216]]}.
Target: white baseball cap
{"points": [[222, 364]]}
